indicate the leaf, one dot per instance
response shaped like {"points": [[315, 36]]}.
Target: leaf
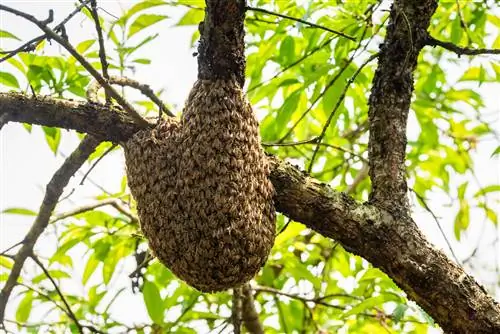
{"points": [[8, 80], [142, 61], [144, 5], [192, 17], [55, 274], [154, 302], [52, 137], [6, 34], [399, 312], [487, 189], [144, 21], [495, 152], [24, 308], [462, 219], [371, 302], [84, 46], [90, 267], [20, 211], [6, 262]]}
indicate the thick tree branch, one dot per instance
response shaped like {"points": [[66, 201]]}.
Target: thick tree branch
{"points": [[53, 191], [393, 244], [390, 100]]}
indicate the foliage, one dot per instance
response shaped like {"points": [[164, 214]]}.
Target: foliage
{"points": [[296, 80]]}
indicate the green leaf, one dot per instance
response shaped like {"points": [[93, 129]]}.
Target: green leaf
{"points": [[371, 302], [144, 21], [399, 312], [144, 5], [496, 151], [55, 274], [90, 267], [24, 308], [84, 46], [192, 17], [6, 34], [487, 189], [154, 302], [142, 61], [20, 211], [462, 219], [8, 80], [52, 137], [6, 262]]}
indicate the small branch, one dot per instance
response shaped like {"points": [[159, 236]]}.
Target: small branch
{"points": [[32, 44], [109, 89], [362, 174], [429, 210], [111, 201], [124, 81], [54, 190], [236, 311], [314, 25], [61, 295], [250, 316], [102, 50], [337, 105], [431, 41], [97, 162]]}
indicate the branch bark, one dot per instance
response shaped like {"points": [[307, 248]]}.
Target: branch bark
{"points": [[390, 100], [54, 190], [392, 243]]}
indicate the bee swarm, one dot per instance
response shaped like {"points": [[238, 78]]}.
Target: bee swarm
{"points": [[202, 189]]}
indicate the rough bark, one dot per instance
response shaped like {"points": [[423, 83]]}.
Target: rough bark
{"points": [[391, 243], [390, 101], [221, 49]]}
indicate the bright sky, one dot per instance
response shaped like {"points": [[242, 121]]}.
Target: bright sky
{"points": [[27, 164]]}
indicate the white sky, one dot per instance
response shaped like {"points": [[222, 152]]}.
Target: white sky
{"points": [[27, 164]]}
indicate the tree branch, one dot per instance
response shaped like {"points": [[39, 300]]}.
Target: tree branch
{"points": [[390, 100], [53, 191], [392, 243], [431, 41], [64, 43], [250, 316]]}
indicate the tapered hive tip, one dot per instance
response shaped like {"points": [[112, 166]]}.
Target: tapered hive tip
{"points": [[202, 189]]}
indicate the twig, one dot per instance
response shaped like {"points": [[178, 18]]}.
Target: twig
{"points": [[3, 253], [32, 44], [96, 162], [102, 50], [111, 201], [362, 174], [124, 81], [250, 316], [428, 209], [109, 89], [54, 190], [337, 105], [298, 61], [316, 141], [61, 295], [431, 41], [314, 25]]}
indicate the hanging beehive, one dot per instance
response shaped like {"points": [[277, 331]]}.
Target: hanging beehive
{"points": [[202, 189]]}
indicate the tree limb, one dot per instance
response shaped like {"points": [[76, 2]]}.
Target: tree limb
{"points": [[392, 243], [53, 191]]}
